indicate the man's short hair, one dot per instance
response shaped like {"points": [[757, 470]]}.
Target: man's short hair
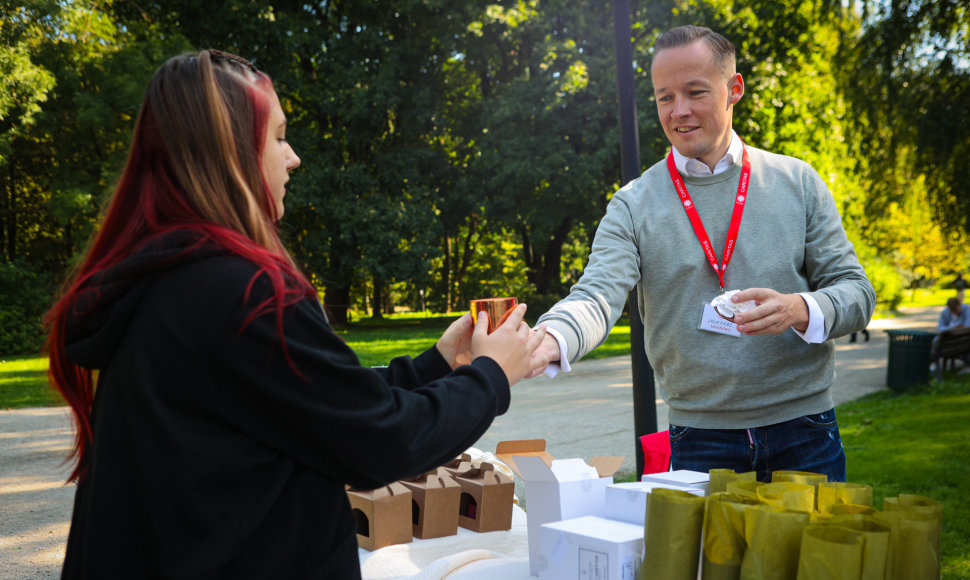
{"points": [[953, 303], [722, 48]]}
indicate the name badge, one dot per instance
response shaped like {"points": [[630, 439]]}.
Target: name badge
{"points": [[711, 321]]}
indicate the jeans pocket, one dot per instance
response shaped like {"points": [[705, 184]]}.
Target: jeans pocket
{"points": [[824, 420], [678, 433]]}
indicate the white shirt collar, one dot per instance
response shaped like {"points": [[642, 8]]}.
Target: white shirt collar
{"points": [[693, 168]]}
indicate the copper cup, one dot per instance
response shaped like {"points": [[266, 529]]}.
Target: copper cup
{"points": [[498, 310]]}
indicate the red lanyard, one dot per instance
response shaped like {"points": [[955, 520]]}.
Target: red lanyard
{"points": [[695, 219]]}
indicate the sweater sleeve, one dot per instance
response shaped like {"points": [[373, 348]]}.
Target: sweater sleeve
{"points": [[837, 279], [366, 427], [586, 316]]}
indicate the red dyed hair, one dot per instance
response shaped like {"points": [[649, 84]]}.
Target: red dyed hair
{"points": [[193, 165]]}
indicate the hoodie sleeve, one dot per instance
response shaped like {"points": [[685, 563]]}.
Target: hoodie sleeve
{"points": [[315, 402]]}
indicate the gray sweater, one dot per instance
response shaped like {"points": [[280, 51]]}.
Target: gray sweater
{"points": [[791, 240]]}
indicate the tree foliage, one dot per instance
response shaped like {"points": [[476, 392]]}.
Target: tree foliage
{"points": [[454, 149]]}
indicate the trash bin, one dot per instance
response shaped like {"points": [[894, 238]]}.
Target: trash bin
{"points": [[909, 358]]}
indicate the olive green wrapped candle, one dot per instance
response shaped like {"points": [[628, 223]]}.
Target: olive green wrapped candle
{"points": [[721, 477], [724, 541], [774, 538], [830, 493], [672, 535], [830, 553]]}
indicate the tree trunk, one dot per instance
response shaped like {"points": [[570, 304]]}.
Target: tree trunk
{"points": [[337, 294], [377, 303], [447, 274], [545, 269], [337, 299]]}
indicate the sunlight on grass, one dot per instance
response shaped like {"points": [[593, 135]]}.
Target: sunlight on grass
{"points": [[926, 297], [23, 383]]}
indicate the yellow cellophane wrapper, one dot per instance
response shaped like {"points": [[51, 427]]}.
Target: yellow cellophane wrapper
{"points": [[830, 493], [838, 509], [774, 538], [789, 495], [798, 477], [831, 553], [917, 523], [672, 535], [877, 553], [721, 477], [782, 476], [744, 487], [724, 541]]}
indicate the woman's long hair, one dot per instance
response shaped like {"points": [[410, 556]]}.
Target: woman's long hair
{"points": [[194, 165]]}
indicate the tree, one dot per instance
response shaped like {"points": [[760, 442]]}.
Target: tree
{"points": [[360, 83], [24, 87], [543, 124], [908, 82]]}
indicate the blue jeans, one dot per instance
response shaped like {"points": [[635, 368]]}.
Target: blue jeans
{"points": [[810, 443]]}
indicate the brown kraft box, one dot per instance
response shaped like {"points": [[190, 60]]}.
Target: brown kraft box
{"points": [[383, 515], [458, 465], [435, 498], [486, 499]]}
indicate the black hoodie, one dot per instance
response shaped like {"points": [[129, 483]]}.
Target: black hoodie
{"points": [[213, 458]]}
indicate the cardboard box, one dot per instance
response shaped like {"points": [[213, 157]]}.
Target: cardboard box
{"points": [[486, 499], [556, 489], [590, 547], [383, 515], [627, 502], [681, 478], [458, 465], [434, 504]]}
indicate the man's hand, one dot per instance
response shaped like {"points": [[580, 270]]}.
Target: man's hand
{"points": [[548, 352], [512, 345], [774, 314]]}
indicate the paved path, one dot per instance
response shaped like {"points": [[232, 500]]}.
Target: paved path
{"points": [[585, 413]]}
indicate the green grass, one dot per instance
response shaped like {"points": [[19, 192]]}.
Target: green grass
{"points": [[927, 297], [23, 383], [917, 442], [377, 342]]}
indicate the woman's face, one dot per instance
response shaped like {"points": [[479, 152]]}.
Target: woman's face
{"points": [[278, 158]]}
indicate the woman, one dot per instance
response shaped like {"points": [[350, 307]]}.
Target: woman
{"points": [[228, 416]]}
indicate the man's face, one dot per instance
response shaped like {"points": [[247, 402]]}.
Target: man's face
{"points": [[695, 100]]}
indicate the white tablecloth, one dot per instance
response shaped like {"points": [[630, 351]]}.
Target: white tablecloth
{"points": [[465, 556]]}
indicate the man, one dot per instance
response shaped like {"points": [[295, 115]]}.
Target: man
{"points": [[745, 394], [955, 315]]}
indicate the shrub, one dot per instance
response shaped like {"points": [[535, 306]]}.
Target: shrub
{"points": [[24, 297]]}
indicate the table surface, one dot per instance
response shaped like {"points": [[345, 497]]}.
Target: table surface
{"points": [[465, 556]]}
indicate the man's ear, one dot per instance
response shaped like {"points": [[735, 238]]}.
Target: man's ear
{"points": [[735, 89]]}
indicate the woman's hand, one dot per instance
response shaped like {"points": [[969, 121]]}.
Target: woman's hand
{"points": [[511, 345], [455, 344]]}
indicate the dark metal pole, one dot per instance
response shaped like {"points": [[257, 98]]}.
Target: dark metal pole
{"points": [[644, 395]]}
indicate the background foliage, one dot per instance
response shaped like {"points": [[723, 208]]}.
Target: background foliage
{"points": [[464, 148]]}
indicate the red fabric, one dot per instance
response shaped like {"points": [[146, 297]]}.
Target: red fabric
{"points": [[656, 452]]}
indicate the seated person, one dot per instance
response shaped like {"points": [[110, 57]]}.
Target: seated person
{"points": [[955, 315]]}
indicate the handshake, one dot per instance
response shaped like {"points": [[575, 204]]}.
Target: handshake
{"points": [[494, 328]]}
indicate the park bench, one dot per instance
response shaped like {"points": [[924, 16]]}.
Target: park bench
{"points": [[954, 344]]}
